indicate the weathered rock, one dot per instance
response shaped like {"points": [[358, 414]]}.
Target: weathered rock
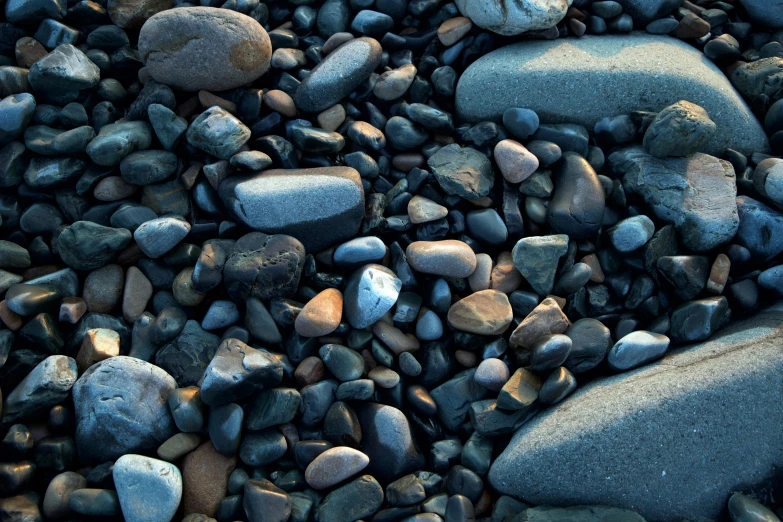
{"points": [[131, 14], [695, 194], [679, 130], [760, 229], [676, 411], [764, 12], [516, 17], [577, 514], [149, 490], [486, 312], [85, 245], [205, 474], [388, 441], [536, 258], [60, 76], [329, 203], [577, 204], [195, 48], [45, 386], [627, 73], [462, 171], [121, 402], [371, 291]]}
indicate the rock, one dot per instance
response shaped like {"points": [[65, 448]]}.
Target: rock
{"points": [[423, 210], [157, 236], [486, 312], [492, 374], [371, 291], [131, 14], [694, 194], [265, 502], [85, 245], [536, 258], [462, 171], [98, 344], [452, 30], [45, 386], [149, 489], [631, 233], [338, 74], [549, 352], [760, 229], [356, 500], [557, 386], [146, 167], [764, 12], [645, 11], [516, 18], [448, 258], [334, 466], [700, 319], [546, 319], [520, 391], [264, 267], [260, 448], [590, 342], [58, 493], [218, 132], [455, 396], [271, 408], [115, 141], [636, 349], [31, 299], [187, 356], [178, 446], [122, 403], [628, 73], [565, 454], [16, 111], [329, 203], [205, 475], [772, 279], [236, 371], [687, 274], [388, 442], [577, 205], [743, 508], [194, 48], [20, 12], [61, 76], [679, 130], [577, 514], [515, 162]]}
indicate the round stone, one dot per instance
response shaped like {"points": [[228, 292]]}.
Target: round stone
{"points": [[149, 489], [131, 14], [334, 466], [549, 352], [492, 374], [515, 162], [636, 349], [487, 312], [631, 233], [321, 315], [516, 18], [448, 258]]}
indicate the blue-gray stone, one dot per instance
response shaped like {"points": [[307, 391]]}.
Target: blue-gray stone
{"points": [[157, 236], [371, 291], [16, 111], [149, 489], [220, 315], [61, 76], [218, 132], [116, 140], [85, 245]]}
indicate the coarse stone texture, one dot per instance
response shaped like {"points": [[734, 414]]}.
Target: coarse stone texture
{"points": [[149, 490], [577, 514], [205, 474], [627, 73], [765, 12], [121, 402], [679, 130], [46, 385], [486, 312], [659, 440], [329, 203], [510, 18], [695, 194], [462, 171], [131, 14], [195, 48]]}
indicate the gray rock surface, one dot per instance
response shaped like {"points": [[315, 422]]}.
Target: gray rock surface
{"points": [[121, 408], [626, 73], [370, 292], [46, 386], [695, 194], [149, 490], [517, 17], [329, 203], [764, 12], [196, 48], [659, 440], [645, 11]]}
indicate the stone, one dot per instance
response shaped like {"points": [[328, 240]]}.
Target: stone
{"points": [[265, 502], [146, 167], [764, 12], [520, 391], [681, 396], [679, 130], [388, 442], [546, 319], [698, 320], [85, 245], [20, 12], [636, 349], [391, 85], [321, 315], [462, 171], [631, 233], [196, 48], [577, 205], [108, 401], [58, 493], [131, 14], [137, 293], [334, 466], [115, 141], [448, 258], [95, 502], [370, 292], [16, 111], [205, 475], [512, 19], [486, 312], [338, 74], [148, 489], [687, 274], [260, 448], [772, 279], [452, 30], [636, 72], [98, 344], [236, 371], [61, 76], [383, 377], [454, 397], [423, 210], [760, 229], [45, 386], [271, 408], [31, 299], [356, 500], [693, 193], [178, 446], [329, 203], [515, 162], [536, 258], [590, 342], [577, 514], [743, 508], [218, 132]]}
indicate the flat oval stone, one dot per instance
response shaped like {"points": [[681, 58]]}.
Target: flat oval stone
{"points": [[194, 48], [149, 489], [627, 73], [636, 349], [342, 71], [329, 203], [448, 258], [321, 315], [31, 299], [514, 18], [335, 465], [462, 171], [577, 205], [487, 312]]}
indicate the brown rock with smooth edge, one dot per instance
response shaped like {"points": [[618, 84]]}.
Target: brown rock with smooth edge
{"points": [[487, 312], [205, 475]]}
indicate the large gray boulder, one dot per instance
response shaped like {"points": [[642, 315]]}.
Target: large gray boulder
{"points": [[584, 80], [765, 12], [121, 408], [670, 440]]}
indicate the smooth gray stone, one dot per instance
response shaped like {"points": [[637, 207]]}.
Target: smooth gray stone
{"points": [[454, 397], [46, 386], [218, 132], [695, 194], [236, 371], [356, 500], [15, 113], [698, 320], [116, 140], [577, 514], [47, 172], [329, 203], [626, 73], [636, 349], [764, 12], [371, 291], [388, 440], [122, 402], [157, 236], [149, 490], [51, 142], [692, 403], [60, 76], [760, 229], [85, 245]]}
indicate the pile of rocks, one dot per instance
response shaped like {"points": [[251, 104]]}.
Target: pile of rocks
{"points": [[326, 261]]}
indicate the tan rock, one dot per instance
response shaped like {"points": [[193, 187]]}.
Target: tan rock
{"points": [[98, 344], [72, 309], [487, 312], [505, 277], [281, 102], [321, 315], [515, 162], [205, 475], [331, 119], [453, 29], [546, 319], [719, 274], [10, 319], [394, 339], [309, 371], [423, 210], [597, 276], [448, 258], [138, 291]]}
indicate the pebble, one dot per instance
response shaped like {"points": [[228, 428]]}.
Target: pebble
{"points": [[370, 292], [44, 386], [220, 315], [557, 386], [549, 352], [679, 130], [698, 320], [58, 494], [236, 371], [95, 502], [515, 162], [205, 475], [265, 502], [148, 489], [344, 363], [743, 508], [590, 342], [98, 344], [637, 348], [528, 15], [85, 245], [546, 319], [631, 233], [576, 187], [227, 50], [537, 257], [218, 132], [383, 377], [464, 172], [772, 279], [178, 446], [452, 30], [492, 374], [423, 210], [486, 312], [31, 299], [16, 111], [333, 466], [354, 501], [448, 258], [60, 76]]}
